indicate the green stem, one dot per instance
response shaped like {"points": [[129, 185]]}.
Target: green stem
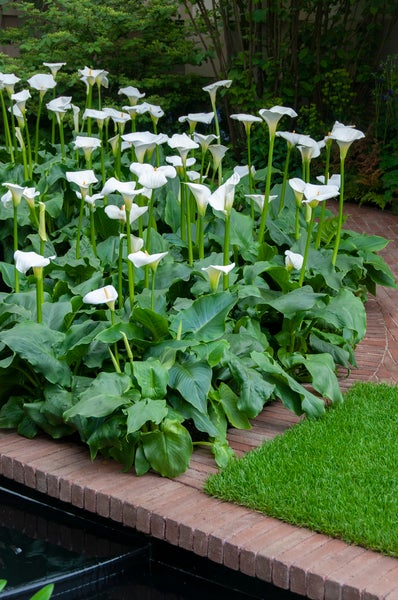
{"points": [[120, 272], [340, 216], [37, 129], [264, 213], [79, 228], [7, 133], [307, 247], [92, 230], [15, 237], [130, 266], [323, 208], [39, 293], [285, 177], [226, 249]]}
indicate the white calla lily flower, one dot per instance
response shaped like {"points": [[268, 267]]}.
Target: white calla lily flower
{"points": [[143, 259], [132, 93], [104, 295], [30, 260], [273, 115], [215, 271], [223, 198], [152, 177], [293, 260], [212, 88], [42, 82]]}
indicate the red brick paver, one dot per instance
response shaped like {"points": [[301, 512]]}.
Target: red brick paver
{"points": [[178, 512]]}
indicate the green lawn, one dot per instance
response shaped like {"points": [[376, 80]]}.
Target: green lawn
{"points": [[337, 475]]}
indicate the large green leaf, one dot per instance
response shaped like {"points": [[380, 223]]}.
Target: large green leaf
{"points": [[193, 380], [255, 391], [344, 312], [229, 401], [205, 318], [152, 377], [297, 300], [102, 397], [293, 395], [37, 344], [153, 411], [168, 449], [156, 324]]}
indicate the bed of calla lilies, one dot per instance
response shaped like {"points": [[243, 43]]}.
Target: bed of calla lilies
{"points": [[151, 298]]}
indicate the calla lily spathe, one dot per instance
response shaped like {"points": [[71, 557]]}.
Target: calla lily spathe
{"points": [[83, 179], [54, 67], [152, 177], [42, 82], [313, 194], [183, 144], [223, 198], [293, 260], [202, 194], [344, 136], [119, 213], [16, 192], [215, 271], [143, 259], [273, 115], [20, 99], [132, 93], [104, 295], [204, 140], [213, 87], [8, 81], [59, 106], [30, 260]]}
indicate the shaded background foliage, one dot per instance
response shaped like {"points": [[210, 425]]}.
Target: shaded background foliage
{"points": [[328, 59]]}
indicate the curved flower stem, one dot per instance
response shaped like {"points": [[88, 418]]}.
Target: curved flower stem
{"points": [[323, 208], [120, 272], [130, 266], [285, 177], [62, 138], [15, 236], [38, 271], [200, 236], [307, 247], [264, 213], [7, 133], [29, 147], [340, 217], [297, 223], [226, 248], [153, 290], [92, 230], [36, 155], [79, 228]]}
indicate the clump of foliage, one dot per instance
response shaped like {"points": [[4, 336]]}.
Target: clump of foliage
{"points": [[145, 345]]}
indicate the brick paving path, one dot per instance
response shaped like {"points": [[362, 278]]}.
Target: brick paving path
{"points": [[296, 559]]}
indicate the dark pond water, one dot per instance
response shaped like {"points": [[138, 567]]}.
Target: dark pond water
{"points": [[87, 558]]}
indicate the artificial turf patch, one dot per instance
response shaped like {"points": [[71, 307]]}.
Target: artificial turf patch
{"points": [[337, 475]]}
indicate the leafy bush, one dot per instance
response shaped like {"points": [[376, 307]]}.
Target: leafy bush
{"points": [[144, 354]]}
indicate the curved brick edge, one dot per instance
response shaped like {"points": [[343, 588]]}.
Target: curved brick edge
{"points": [[292, 558]]}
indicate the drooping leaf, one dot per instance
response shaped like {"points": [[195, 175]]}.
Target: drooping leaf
{"points": [[152, 377], [153, 411], [255, 391], [193, 380], [106, 393], [37, 344], [205, 318], [156, 324], [168, 449]]}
